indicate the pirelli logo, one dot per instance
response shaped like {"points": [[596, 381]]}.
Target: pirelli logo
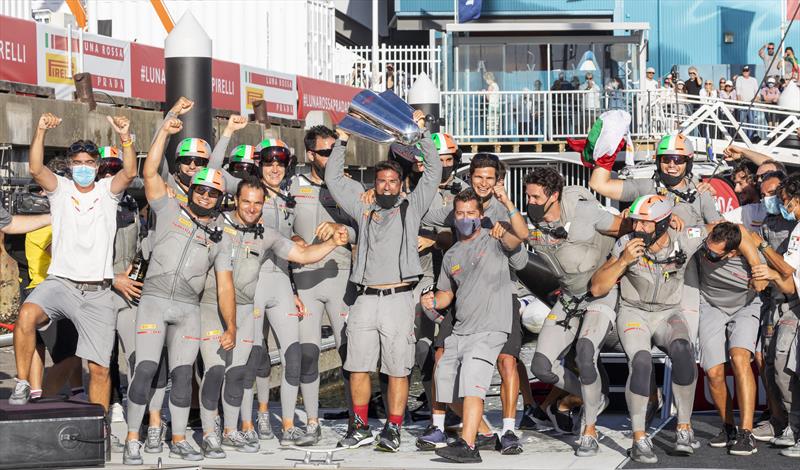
{"points": [[57, 68]]}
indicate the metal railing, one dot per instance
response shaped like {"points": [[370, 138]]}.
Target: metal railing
{"points": [[406, 63], [548, 116]]}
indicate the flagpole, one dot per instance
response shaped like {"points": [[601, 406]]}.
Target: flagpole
{"points": [[455, 11]]}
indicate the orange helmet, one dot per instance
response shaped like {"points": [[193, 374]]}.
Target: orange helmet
{"points": [[653, 208], [211, 178]]}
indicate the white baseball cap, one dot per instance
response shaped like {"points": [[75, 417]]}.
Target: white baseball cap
{"points": [[650, 70]]}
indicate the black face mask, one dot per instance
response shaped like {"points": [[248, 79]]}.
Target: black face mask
{"points": [[712, 256], [536, 212], [200, 211], [669, 180], [647, 238], [184, 179], [386, 201], [447, 171], [485, 199]]}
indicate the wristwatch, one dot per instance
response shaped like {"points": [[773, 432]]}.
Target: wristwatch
{"points": [[763, 246]]}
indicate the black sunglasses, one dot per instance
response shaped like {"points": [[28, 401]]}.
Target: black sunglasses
{"points": [[203, 190], [109, 166], [323, 152], [676, 159], [242, 167], [188, 159], [710, 255], [272, 154], [79, 147]]}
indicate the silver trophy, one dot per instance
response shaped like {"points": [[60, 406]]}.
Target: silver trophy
{"points": [[384, 118]]}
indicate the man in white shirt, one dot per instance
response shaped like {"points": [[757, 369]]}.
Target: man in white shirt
{"points": [[746, 89], [650, 83], [78, 285]]}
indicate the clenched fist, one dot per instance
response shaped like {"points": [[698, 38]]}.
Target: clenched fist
{"points": [[172, 126], [182, 106], [49, 121]]}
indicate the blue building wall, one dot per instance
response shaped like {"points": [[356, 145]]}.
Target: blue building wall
{"points": [[682, 31]]}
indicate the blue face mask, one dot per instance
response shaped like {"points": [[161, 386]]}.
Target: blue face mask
{"points": [[83, 175], [786, 214], [467, 226], [772, 205]]}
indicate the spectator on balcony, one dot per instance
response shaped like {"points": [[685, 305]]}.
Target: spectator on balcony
{"points": [[591, 99], [792, 70], [358, 76], [492, 104], [768, 55], [613, 91], [769, 95], [708, 94], [575, 82], [695, 83], [727, 92], [650, 83], [746, 90], [537, 85], [721, 87], [561, 83]]}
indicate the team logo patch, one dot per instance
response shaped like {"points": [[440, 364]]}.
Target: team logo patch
{"points": [[148, 326], [307, 190], [182, 198], [455, 269], [694, 232], [213, 333], [229, 230], [184, 221], [552, 316]]}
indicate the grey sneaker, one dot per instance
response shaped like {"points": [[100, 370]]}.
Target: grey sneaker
{"points": [[235, 440], [154, 444], [764, 432], [184, 450], [587, 447], [291, 435], [22, 393], [642, 451], [132, 455], [684, 441], [211, 447], [793, 451], [251, 437], [311, 437], [264, 428], [116, 446], [784, 440]]}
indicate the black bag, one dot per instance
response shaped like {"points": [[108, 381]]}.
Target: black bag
{"points": [[51, 433]]}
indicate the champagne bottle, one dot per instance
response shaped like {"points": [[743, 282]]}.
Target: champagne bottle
{"points": [[138, 270]]}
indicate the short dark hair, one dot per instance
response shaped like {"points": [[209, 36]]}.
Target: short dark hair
{"points": [[747, 167], [548, 178], [389, 165], [467, 195], [485, 160], [249, 181], [771, 43], [58, 165], [310, 139], [728, 233], [791, 187], [778, 165]]}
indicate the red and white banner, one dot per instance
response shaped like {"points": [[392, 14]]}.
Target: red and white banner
{"points": [[319, 95], [148, 79], [279, 90], [105, 58], [17, 50], [225, 85]]}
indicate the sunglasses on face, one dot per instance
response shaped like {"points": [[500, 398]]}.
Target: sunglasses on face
{"points": [[676, 159], [323, 152], [276, 154], [241, 167], [205, 190], [110, 167], [189, 159], [711, 255], [79, 147]]}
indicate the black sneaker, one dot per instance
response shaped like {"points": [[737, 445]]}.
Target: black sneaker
{"points": [[486, 441], [745, 444], [534, 419], [460, 452], [357, 435], [509, 444], [562, 421], [389, 439], [725, 438]]}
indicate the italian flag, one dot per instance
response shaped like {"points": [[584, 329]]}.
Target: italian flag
{"points": [[606, 138]]}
